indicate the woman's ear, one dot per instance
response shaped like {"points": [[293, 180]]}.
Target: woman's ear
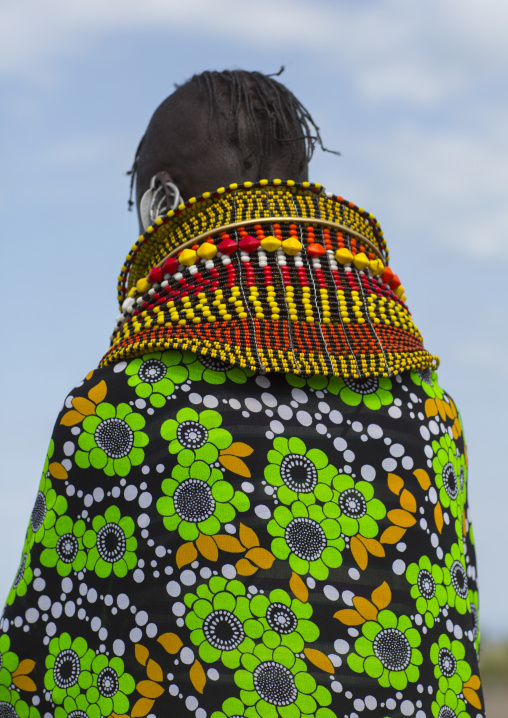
{"points": [[162, 196]]}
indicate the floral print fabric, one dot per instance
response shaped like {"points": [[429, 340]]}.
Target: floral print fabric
{"points": [[211, 542]]}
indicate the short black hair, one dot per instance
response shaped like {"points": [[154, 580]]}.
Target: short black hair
{"points": [[272, 113]]}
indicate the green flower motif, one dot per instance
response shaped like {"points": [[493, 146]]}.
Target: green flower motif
{"points": [[78, 707], [47, 508], [231, 708], [68, 666], [356, 508], [447, 470], [111, 544], [196, 436], [23, 577], [221, 622], [427, 379], [462, 478], [306, 535], [12, 705], [475, 615], [214, 371], [316, 381], [388, 651], [276, 683], [449, 666], [297, 473], [427, 588], [456, 579], [64, 546], [374, 391], [49, 455], [449, 705], [111, 440], [8, 661], [283, 621], [110, 685], [154, 376], [199, 499]]}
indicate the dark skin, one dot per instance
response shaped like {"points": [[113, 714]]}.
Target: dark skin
{"points": [[202, 154]]}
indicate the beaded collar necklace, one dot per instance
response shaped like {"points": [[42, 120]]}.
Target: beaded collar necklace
{"points": [[270, 276]]}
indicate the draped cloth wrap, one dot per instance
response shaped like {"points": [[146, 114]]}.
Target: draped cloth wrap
{"points": [[213, 540]]}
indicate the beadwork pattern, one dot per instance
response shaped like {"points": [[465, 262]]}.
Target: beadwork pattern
{"points": [[285, 296]]}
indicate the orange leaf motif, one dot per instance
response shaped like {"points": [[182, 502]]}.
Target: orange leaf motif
{"points": [[438, 517], [84, 406], [187, 553], [170, 642], [401, 518], [237, 448], [149, 689], [24, 667], [395, 483], [207, 547], [298, 587], [464, 525], [89, 375], [474, 683], [441, 407], [154, 671], [382, 595], [248, 537], [98, 392], [197, 676], [365, 608], [449, 410], [373, 546], [261, 557], [141, 653], [24, 683], [359, 552], [57, 471], [245, 568], [71, 418], [392, 534], [471, 696], [423, 478], [430, 407], [408, 501], [228, 543], [349, 617], [320, 660], [235, 465], [142, 708]]}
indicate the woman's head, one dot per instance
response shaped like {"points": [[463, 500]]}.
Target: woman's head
{"points": [[224, 127]]}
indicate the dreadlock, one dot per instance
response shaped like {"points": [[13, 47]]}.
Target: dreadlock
{"points": [[261, 98]]}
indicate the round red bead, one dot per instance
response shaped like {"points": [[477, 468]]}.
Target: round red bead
{"points": [[316, 250], [155, 275], [249, 243], [228, 246], [387, 275], [170, 265]]}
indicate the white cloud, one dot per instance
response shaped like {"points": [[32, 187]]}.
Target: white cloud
{"points": [[444, 45], [431, 57], [448, 186]]}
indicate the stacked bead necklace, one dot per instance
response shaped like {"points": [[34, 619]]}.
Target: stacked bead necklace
{"points": [[272, 276]]}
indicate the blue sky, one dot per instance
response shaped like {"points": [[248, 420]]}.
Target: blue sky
{"points": [[411, 93]]}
